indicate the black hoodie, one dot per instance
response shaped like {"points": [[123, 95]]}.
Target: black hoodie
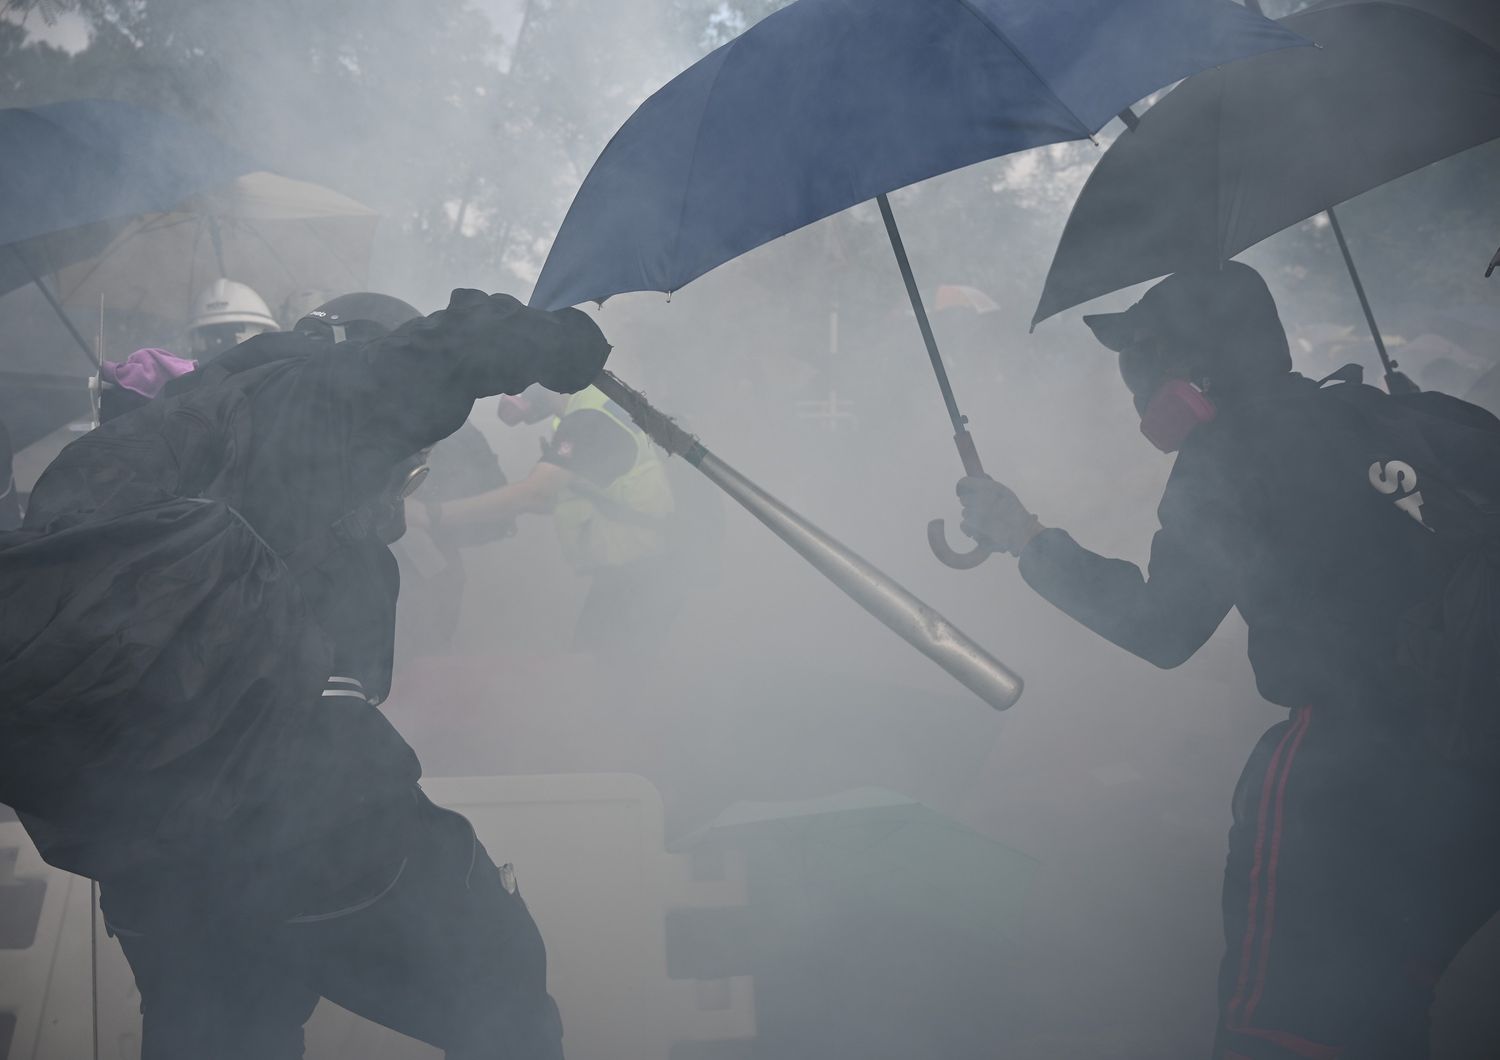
{"points": [[165, 674], [1269, 510]]}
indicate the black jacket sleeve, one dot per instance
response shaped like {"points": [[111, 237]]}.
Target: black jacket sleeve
{"points": [[330, 423], [418, 384], [1163, 615]]}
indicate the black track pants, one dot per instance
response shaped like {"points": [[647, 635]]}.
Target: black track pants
{"points": [[1358, 866], [437, 949]]}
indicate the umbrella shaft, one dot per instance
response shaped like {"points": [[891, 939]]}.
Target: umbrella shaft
{"points": [[904, 264], [62, 314], [1359, 290]]}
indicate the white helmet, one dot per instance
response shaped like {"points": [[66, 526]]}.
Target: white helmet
{"points": [[226, 315]]}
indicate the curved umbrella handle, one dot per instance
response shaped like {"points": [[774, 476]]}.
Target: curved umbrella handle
{"points": [[937, 540]]}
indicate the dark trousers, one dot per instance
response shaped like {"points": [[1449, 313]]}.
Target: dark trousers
{"points": [[1359, 864], [434, 946]]}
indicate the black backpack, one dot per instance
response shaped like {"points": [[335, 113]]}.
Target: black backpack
{"points": [[1437, 462]]}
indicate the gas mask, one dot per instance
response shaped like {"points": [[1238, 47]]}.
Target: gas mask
{"points": [[385, 514], [211, 340], [529, 406], [1171, 408], [409, 476], [1172, 413], [514, 408]]}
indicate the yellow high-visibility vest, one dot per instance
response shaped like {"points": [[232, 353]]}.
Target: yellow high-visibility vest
{"points": [[624, 521]]}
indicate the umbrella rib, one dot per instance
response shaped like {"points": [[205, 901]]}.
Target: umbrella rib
{"points": [[144, 225], [115, 244], [260, 236], [332, 250], [1221, 218], [989, 24], [687, 183]]}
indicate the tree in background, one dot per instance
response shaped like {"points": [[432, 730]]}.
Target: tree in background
{"points": [[472, 146], [390, 102]]}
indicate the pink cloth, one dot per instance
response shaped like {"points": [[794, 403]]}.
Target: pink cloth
{"points": [[146, 371]]}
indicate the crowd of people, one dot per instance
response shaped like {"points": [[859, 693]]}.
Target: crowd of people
{"points": [[192, 700]]}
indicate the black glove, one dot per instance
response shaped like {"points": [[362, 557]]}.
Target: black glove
{"points": [[580, 350], [506, 346], [994, 516]]}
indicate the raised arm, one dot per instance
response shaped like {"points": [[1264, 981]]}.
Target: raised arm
{"points": [[417, 385], [1163, 614]]}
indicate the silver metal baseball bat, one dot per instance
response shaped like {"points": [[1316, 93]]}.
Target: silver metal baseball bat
{"points": [[864, 583]]}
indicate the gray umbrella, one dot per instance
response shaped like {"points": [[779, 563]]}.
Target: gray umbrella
{"points": [[1236, 154]]}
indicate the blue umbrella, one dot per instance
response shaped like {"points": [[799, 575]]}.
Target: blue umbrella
{"points": [[73, 172], [828, 103]]}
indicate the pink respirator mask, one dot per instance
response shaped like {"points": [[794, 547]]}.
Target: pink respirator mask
{"points": [[1174, 412], [514, 410]]}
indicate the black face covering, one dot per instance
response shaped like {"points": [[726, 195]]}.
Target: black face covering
{"points": [[409, 476], [388, 511], [1141, 369], [211, 340]]}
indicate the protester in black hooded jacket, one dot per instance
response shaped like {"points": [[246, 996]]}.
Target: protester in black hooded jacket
{"points": [[187, 710], [1359, 859]]}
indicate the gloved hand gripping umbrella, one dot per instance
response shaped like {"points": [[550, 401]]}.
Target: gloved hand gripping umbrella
{"points": [[829, 103]]}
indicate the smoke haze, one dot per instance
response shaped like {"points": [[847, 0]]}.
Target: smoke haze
{"points": [[468, 127]]}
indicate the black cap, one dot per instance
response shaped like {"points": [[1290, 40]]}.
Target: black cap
{"points": [[360, 316], [1221, 321]]}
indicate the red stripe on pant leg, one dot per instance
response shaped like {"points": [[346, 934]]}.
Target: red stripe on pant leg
{"points": [[1304, 719], [1247, 944]]}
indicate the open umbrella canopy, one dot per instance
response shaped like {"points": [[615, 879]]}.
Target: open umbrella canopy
{"points": [[279, 236], [828, 103], [72, 171], [1232, 156], [1478, 18]]}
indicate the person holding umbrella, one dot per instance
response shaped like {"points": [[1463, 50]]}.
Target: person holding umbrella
{"points": [[188, 710], [1360, 858]]}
